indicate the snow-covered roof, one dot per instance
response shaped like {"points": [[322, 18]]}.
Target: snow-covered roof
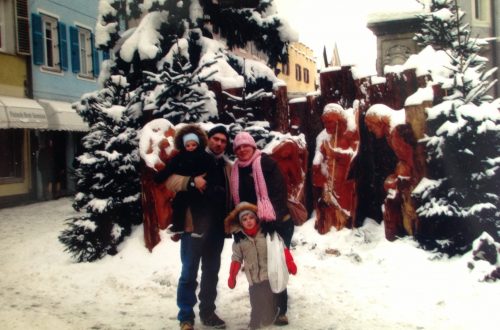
{"points": [[386, 16]]}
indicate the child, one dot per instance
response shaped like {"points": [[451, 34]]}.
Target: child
{"points": [[192, 160], [250, 247]]}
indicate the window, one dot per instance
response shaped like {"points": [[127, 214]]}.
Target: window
{"points": [[22, 28], [11, 166], [286, 69], [85, 47], [481, 10], [298, 72], [84, 58], [50, 43], [306, 75]]}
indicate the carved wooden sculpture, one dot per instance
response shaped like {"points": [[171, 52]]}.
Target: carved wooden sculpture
{"points": [[291, 157], [156, 148], [399, 211], [337, 145]]}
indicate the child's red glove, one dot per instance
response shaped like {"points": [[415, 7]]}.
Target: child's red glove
{"points": [[233, 271], [290, 264]]}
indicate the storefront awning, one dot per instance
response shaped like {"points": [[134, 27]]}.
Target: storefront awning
{"points": [[62, 117], [16, 112]]}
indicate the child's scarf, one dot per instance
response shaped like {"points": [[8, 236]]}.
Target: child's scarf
{"points": [[252, 231], [265, 210]]}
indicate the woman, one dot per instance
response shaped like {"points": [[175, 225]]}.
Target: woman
{"points": [[256, 179]]}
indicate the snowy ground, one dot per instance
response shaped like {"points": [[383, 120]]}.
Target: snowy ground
{"points": [[346, 280]]}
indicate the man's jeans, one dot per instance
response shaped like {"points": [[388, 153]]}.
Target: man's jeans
{"points": [[207, 250]]}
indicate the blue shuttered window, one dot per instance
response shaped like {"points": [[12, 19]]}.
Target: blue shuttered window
{"points": [[63, 46], [74, 47], [37, 37]]}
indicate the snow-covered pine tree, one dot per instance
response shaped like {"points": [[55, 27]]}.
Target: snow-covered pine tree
{"points": [[180, 94], [156, 27], [443, 28], [144, 53], [107, 176], [164, 22], [439, 25], [243, 109], [459, 198], [259, 25], [245, 105], [247, 112]]}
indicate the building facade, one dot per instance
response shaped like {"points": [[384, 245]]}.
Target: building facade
{"points": [[395, 33], [20, 115], [299, 73], [47, 61]]}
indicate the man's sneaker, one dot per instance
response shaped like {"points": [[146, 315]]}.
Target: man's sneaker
{"points": [[281, 320], [213, 321], [187, 325]]}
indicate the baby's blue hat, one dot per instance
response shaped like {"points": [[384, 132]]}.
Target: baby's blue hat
{"points": [[190, 137]]}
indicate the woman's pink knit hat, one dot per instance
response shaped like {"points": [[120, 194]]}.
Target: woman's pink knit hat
{"points": [[243, 138]]}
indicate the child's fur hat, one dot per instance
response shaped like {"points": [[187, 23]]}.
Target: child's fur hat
{"points": [[232, 221], [190, 128]]}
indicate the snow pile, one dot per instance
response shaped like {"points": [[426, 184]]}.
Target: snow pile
{"points": [[423, 94], [485, 258]]}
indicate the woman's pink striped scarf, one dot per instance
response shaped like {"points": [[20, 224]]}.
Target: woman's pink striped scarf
{"points": [[265, 210]]}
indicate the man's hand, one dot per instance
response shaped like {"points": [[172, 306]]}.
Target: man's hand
{"points": [[200, 183]]}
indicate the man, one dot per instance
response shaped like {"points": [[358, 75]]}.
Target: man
{"points": [[205, 244]]}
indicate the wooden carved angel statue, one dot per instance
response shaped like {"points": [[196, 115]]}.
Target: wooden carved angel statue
{"points": [[291, 156], [398, 211], [336, 148], [156, 147]]}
